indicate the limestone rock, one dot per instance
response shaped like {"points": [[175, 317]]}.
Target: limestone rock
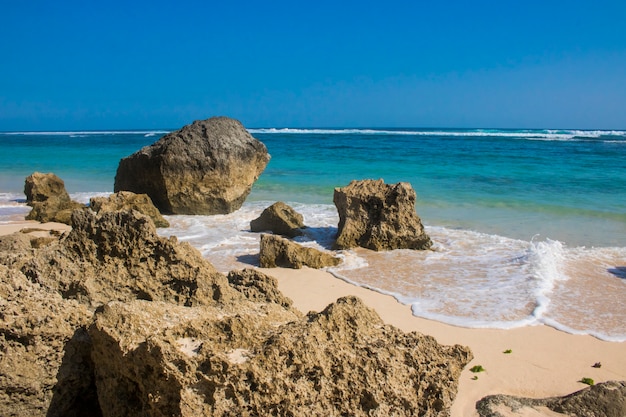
{"points": [[119, 256], [257, 286], [378, 216], [49, 200], [207, 167], [279, 218], [277, 251], [45, 365], [259, 359], [607, 399], [124, 201]]}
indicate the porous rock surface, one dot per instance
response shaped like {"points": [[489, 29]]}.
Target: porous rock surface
{"points": [[119, 256], [47, 196], [125, 201], [607, 399], [114, 320], [207, 167], [279, 218], [45, 365], [378, 216], [258, 359], [276, 251]]}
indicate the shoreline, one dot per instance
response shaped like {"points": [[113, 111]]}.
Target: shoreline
{"points": [[543, 362]]}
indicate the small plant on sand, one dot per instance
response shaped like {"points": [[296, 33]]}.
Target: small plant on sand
{"points": [[587, 381], [597, 365], [474, 378], [477, 368], [508, 351]]}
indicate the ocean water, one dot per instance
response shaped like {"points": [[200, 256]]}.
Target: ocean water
{"points": [[529, 226]]}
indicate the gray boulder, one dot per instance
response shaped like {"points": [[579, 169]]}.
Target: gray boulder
{"points": [[378, 216], [207, 167]]}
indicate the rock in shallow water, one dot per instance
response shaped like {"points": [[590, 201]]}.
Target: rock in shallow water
{"points": [[46, 194], [207, 167], [277, 251], [279, 218], [378, 216]]}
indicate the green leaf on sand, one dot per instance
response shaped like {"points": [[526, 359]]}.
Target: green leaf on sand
{"points": [[587, 381], [477, 368]]}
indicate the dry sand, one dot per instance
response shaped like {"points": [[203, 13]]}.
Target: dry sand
{"points": [[543, 362]]}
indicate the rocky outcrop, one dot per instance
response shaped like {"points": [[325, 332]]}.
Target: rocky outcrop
{"points": [[277, 251], [45, 365], [279, 218], [125, 201], [119, 256], [259, 359], [49, 200], [207, 167], [378, 216], [607, 399]]}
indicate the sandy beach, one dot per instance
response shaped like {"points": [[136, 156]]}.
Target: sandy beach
{"points": [[542, 362]]}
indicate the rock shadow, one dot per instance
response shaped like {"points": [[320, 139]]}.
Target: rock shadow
{"points": [[618, 271], [250, 259], [75, 394]]}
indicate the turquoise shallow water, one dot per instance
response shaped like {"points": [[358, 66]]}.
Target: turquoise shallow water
{"points": [[534, 218]]}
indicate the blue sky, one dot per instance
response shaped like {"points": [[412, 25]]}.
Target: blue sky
{"points": [[75, 65]]}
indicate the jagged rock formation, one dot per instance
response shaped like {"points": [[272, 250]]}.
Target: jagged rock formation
{"points": [[279, 218], [114, 320], [207, 167], [277, 251], [44, 345], [259, 359], [46, 194], [119, 256], [378, 216], [607, 399], [126, 200]]}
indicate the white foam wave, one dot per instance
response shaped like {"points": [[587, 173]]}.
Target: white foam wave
{"points": [[524, 134]]}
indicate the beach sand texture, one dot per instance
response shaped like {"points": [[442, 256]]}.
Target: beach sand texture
{"points": [[542, 362]]}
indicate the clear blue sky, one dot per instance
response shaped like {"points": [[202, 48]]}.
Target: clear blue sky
{"points": [[71, 65]]}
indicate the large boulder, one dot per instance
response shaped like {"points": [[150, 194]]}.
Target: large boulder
{"points": [[607, 399], [378, 216], [126, 200], [260, 359], [119, 256], [49, 200], [277, 251], [279, 218], [207, 167]]}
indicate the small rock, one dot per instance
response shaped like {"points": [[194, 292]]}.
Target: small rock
{"points": [[277, 251], [279, 218], [46, 194], [126, 200]]}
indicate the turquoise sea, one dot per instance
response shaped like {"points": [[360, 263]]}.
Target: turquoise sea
{"points": [[529, 225]]}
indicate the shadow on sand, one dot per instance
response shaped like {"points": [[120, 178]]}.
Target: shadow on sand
{"points": [[618, 271]]}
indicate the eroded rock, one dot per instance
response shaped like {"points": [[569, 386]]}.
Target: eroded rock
{"points": [[119, 256], [49, 200], [279, 218], [378, 216], [257, 286], [45, 364], [207, 167], [277, 251], [126, 200], [259, 359], [607, 399]]}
